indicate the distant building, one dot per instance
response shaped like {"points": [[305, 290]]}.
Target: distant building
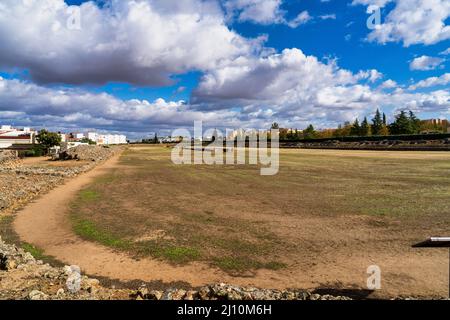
{"points": [[241, 133], [100, 139], [63, 137], [10, 136], [107, 139], [437, 122], [92, 136], [79, 136], [432, 125], [170, 139]]}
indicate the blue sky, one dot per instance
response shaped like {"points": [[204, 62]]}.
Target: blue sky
{"points": [[230, 63], [321, 38]]}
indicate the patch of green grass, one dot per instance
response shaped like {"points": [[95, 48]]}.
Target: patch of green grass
{"points": [[10, 236], [89, 195], [170, 252], [180, 254], [36, 252], [88, 230], [39, 254]]}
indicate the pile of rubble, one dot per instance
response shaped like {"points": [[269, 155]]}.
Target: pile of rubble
{"points": [[88, 153], [24, 277]]}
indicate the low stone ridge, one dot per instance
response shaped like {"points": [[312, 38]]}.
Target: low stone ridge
{"points": [[20, 182], [7, 156], [88, 153], [19, 185], [229, 292], [415, 145], [25, 278]]}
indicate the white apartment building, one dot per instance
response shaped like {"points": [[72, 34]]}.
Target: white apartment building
{"points": [[78, 135], [92, 136], [106, 139], [10, 136]]}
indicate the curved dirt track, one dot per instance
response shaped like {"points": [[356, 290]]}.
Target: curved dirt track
{"points": [[44, 223]]}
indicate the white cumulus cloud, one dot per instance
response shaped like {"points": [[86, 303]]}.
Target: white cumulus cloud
{"points": [[432, 81], [142, 42], [256, 11], [412, 21], [75, 109], [424, 63]]}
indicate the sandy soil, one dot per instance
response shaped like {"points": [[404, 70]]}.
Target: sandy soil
{"points": [[47, 162], [405, 271], [34, 160]]}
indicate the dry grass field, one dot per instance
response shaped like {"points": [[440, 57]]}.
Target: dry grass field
{"points": [[323, 219]]}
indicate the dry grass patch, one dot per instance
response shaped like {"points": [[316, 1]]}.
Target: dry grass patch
{"points": [[239, 221]]}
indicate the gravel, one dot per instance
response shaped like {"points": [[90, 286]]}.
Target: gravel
{"points": [[21, 183]]}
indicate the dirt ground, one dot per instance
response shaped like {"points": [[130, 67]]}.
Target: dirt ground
{"points": [[321, 222], [45, 162]]}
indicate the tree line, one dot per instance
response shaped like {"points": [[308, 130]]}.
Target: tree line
{"points": [[406, 122], [154, 140]]}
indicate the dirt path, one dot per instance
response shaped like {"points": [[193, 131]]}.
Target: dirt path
{"points": [[45, 224], [34, 160]]}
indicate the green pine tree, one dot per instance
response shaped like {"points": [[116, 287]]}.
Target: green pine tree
{"points": [[414, 122], [355, 129], [290, 135], [401, 125], [310, 132], [365, 130], [377, 123]]}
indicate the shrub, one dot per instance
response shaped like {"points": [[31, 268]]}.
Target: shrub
{"points": [[36, 151]]}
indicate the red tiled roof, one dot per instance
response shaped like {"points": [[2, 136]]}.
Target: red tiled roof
{"points": [[15, 137]]}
